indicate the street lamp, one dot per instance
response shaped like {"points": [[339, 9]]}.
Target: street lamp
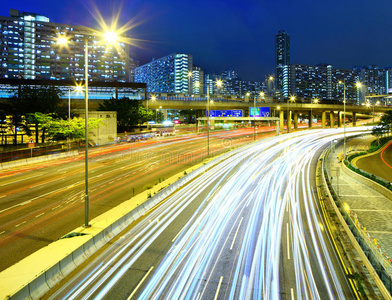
{"points": [[344, 117], [270, 79], [219, 84], [189, 82], [208, 120], [110, 37], [315, 101], [292, 99]]}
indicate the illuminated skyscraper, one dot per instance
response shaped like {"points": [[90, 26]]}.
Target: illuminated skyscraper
{"points": [[168, 74], [29, 51], [282, 63]]}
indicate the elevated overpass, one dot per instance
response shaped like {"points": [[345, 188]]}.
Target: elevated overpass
{"points": [[329, 113]]}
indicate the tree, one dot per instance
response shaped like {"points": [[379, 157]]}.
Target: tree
{"points": [[15, 108], [189, 115], [378, 132], [130, 113], [59, 129], [386, 121], [22, 107]]}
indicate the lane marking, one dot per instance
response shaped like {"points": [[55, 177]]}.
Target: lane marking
{"points": [[20, 224], [21, 180], [219, 286], [235, 236], [37, 216], [288, 242], [2, 196], [180, 231], [140, 283], [56, 207], [2, 232]]}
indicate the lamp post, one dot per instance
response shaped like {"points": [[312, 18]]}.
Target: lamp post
{"points": [[344, 118], [270, 79], [254, 118], [315, 101], [189, 82], [208, 120], [219, 84], [110, 37], [292, 99]]}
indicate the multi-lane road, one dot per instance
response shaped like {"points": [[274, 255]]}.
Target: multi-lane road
{"points": [[41, 203], [248, 228]]}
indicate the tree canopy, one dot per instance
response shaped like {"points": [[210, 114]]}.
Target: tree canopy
{"points": [[130, 113], [30, 100], [384, 126], [59, 129]]}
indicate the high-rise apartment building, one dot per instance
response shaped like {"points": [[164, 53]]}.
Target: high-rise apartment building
{"points": [[322, 82], [29, 50], [282, 46], [197, 80], [374, 80], [168, 74]]}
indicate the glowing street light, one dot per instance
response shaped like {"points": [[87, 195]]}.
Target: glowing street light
{"points": [[344, 116], [190, 74], [219, 84], [292, 99], [315, 101], [110, 37], [270, 79]]}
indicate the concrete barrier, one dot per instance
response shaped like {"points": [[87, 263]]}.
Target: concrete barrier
{"points": [[78, 256], [67, 265]]}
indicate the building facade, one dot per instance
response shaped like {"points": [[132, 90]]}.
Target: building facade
{"points": [[322, 82], [29, 51], [197, 80], [168, 74], [282, 48]]}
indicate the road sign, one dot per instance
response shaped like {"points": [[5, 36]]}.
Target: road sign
{"points": [[31, 143], [226, 113], [259, 111]]}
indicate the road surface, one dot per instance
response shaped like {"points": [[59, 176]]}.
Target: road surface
{"points": [[249, 228]]}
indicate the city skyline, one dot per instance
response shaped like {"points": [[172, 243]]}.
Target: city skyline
{"points": [[239, 34]]}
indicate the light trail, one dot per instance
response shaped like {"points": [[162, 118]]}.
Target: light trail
{"points": [[236, 232]]}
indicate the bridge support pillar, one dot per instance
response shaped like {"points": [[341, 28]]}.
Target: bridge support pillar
{"points": [[295, 120], [277, 127], [288, 121], [354, 119], [212, 124], [281, 119], [310, 119], [340, 114], [332, 119], [323, 119]]}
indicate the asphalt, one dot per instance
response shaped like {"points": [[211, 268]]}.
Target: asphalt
{"points": [[378, 163], [373, 209], [374, 212]]}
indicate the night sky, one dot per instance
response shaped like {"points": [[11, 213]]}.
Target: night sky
{"points": [[240, 34]]}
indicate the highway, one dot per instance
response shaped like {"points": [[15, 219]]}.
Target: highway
{"points": [[41, 203], [248, 228]]}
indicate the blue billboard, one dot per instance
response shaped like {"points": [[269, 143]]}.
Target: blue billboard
{"points": [[226, 113], [259, 111]]}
